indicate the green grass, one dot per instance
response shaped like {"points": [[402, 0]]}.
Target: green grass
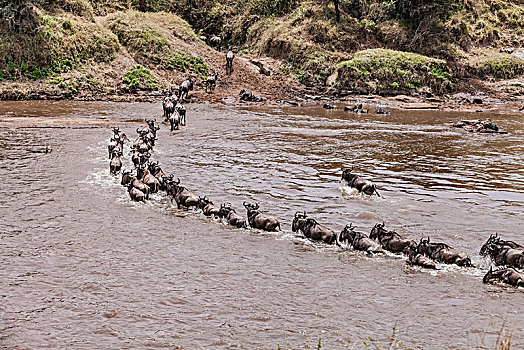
{"points": [[184, 63], [498, 67], [59, 46], [140, 78], [391, 72]]}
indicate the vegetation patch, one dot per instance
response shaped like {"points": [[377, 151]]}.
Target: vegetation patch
{"points": [[60, 44], [140, 78], [498, 67], [186, 62], [160, 40], [388, 72]]}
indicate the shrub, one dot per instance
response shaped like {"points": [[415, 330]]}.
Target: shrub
{"points": [[388, 71], [140, 78], [499, 67]]}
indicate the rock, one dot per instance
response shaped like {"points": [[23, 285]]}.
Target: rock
{"points": [[418, 106], [331, 80], [249, 65], [292, 103], [508, 50], [229, 100], [312, 97], [262, 66], [382, 111], [477, 101], [406, 99], [519, 54]]}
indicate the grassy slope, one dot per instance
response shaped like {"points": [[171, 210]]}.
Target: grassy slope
{"points": [[469, 42]]}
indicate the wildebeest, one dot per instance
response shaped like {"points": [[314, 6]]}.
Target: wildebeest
{"points": [[328, 106], [211, 82], [356, 109], [181, 112], [149, 179], [185, 87], [507, 275], [480, 126], [135, 155], [182, 196], [247, 95], [126, 177], [231, 216], [257, 219], [129, 179], [157, 172], [168, 106], [503, 252], [116, 164], [415, 258], [152, 127], [229, 60], [355, 181], [203, 38], [117, 141], [359, 240], [174, 121], [215, 41], [382, 111], [443, 253], [313, 230], [144, 141], [390, 240], [207, 207], [136, 194]]}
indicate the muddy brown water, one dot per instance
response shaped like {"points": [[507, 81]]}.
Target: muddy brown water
{"points": [[83, 267]]}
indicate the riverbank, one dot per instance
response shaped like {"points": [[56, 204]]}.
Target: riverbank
{"points": [[273, 94], [301, 55]]}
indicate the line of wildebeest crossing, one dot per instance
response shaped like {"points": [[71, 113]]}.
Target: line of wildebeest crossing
{"points": [[148, 177]]}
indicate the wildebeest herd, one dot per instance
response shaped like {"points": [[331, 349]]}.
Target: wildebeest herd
{"points": [[148, 177]]}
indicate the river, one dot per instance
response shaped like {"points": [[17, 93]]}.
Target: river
{"points": [[83, 267]]}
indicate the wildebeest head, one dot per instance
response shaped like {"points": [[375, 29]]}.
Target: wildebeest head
{"points": [[489, 276], [378, 231], [126, 177], [493, 239], [224, 210], [423, 246], [251, 207], [348, 234], [203, 202], [298, 221], [348, 175]]}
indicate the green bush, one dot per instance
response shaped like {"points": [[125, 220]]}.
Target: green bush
{"points": [[183, 63], [140, 78], [387, 71], [499, 67]]}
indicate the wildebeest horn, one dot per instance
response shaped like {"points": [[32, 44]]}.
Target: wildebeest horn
{"points": [[256, 206], [246, 205]]}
